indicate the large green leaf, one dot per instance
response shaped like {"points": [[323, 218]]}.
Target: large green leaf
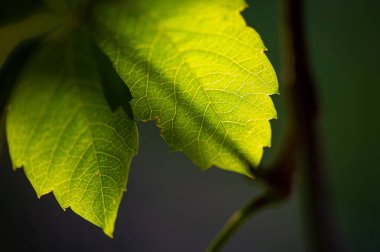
{"points": [[61, 130], [196, 68]]}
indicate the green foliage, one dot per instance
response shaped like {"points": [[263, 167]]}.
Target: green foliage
{"points": [[62, 131], [193, 66]]}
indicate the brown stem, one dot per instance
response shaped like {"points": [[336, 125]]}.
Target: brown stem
{"points": [[300, 89]]}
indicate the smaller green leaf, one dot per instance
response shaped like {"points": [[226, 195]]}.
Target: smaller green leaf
{"points": [[62, 131]]}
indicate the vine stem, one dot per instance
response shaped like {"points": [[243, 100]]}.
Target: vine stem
{"points": [[301, 137], [300, 88], [278, 182], [238, 219]]}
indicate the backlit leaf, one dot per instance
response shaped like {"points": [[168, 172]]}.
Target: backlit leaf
{"points": [[196, 68], [61, 129]]}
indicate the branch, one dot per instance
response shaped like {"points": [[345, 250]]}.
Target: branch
{"points": [[238, 219], [300, 89], [278, 181]]}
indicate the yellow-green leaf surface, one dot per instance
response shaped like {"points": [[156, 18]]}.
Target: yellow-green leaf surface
{"points": [[197, 68], [62, 131]]}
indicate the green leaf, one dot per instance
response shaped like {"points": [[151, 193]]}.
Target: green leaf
{"points": [[62, 131], [196, 68]]}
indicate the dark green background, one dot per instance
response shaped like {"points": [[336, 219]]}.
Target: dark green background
{"points": [[171, 206]]}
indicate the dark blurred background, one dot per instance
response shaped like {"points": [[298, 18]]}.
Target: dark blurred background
{"points": [[172, 206]]}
